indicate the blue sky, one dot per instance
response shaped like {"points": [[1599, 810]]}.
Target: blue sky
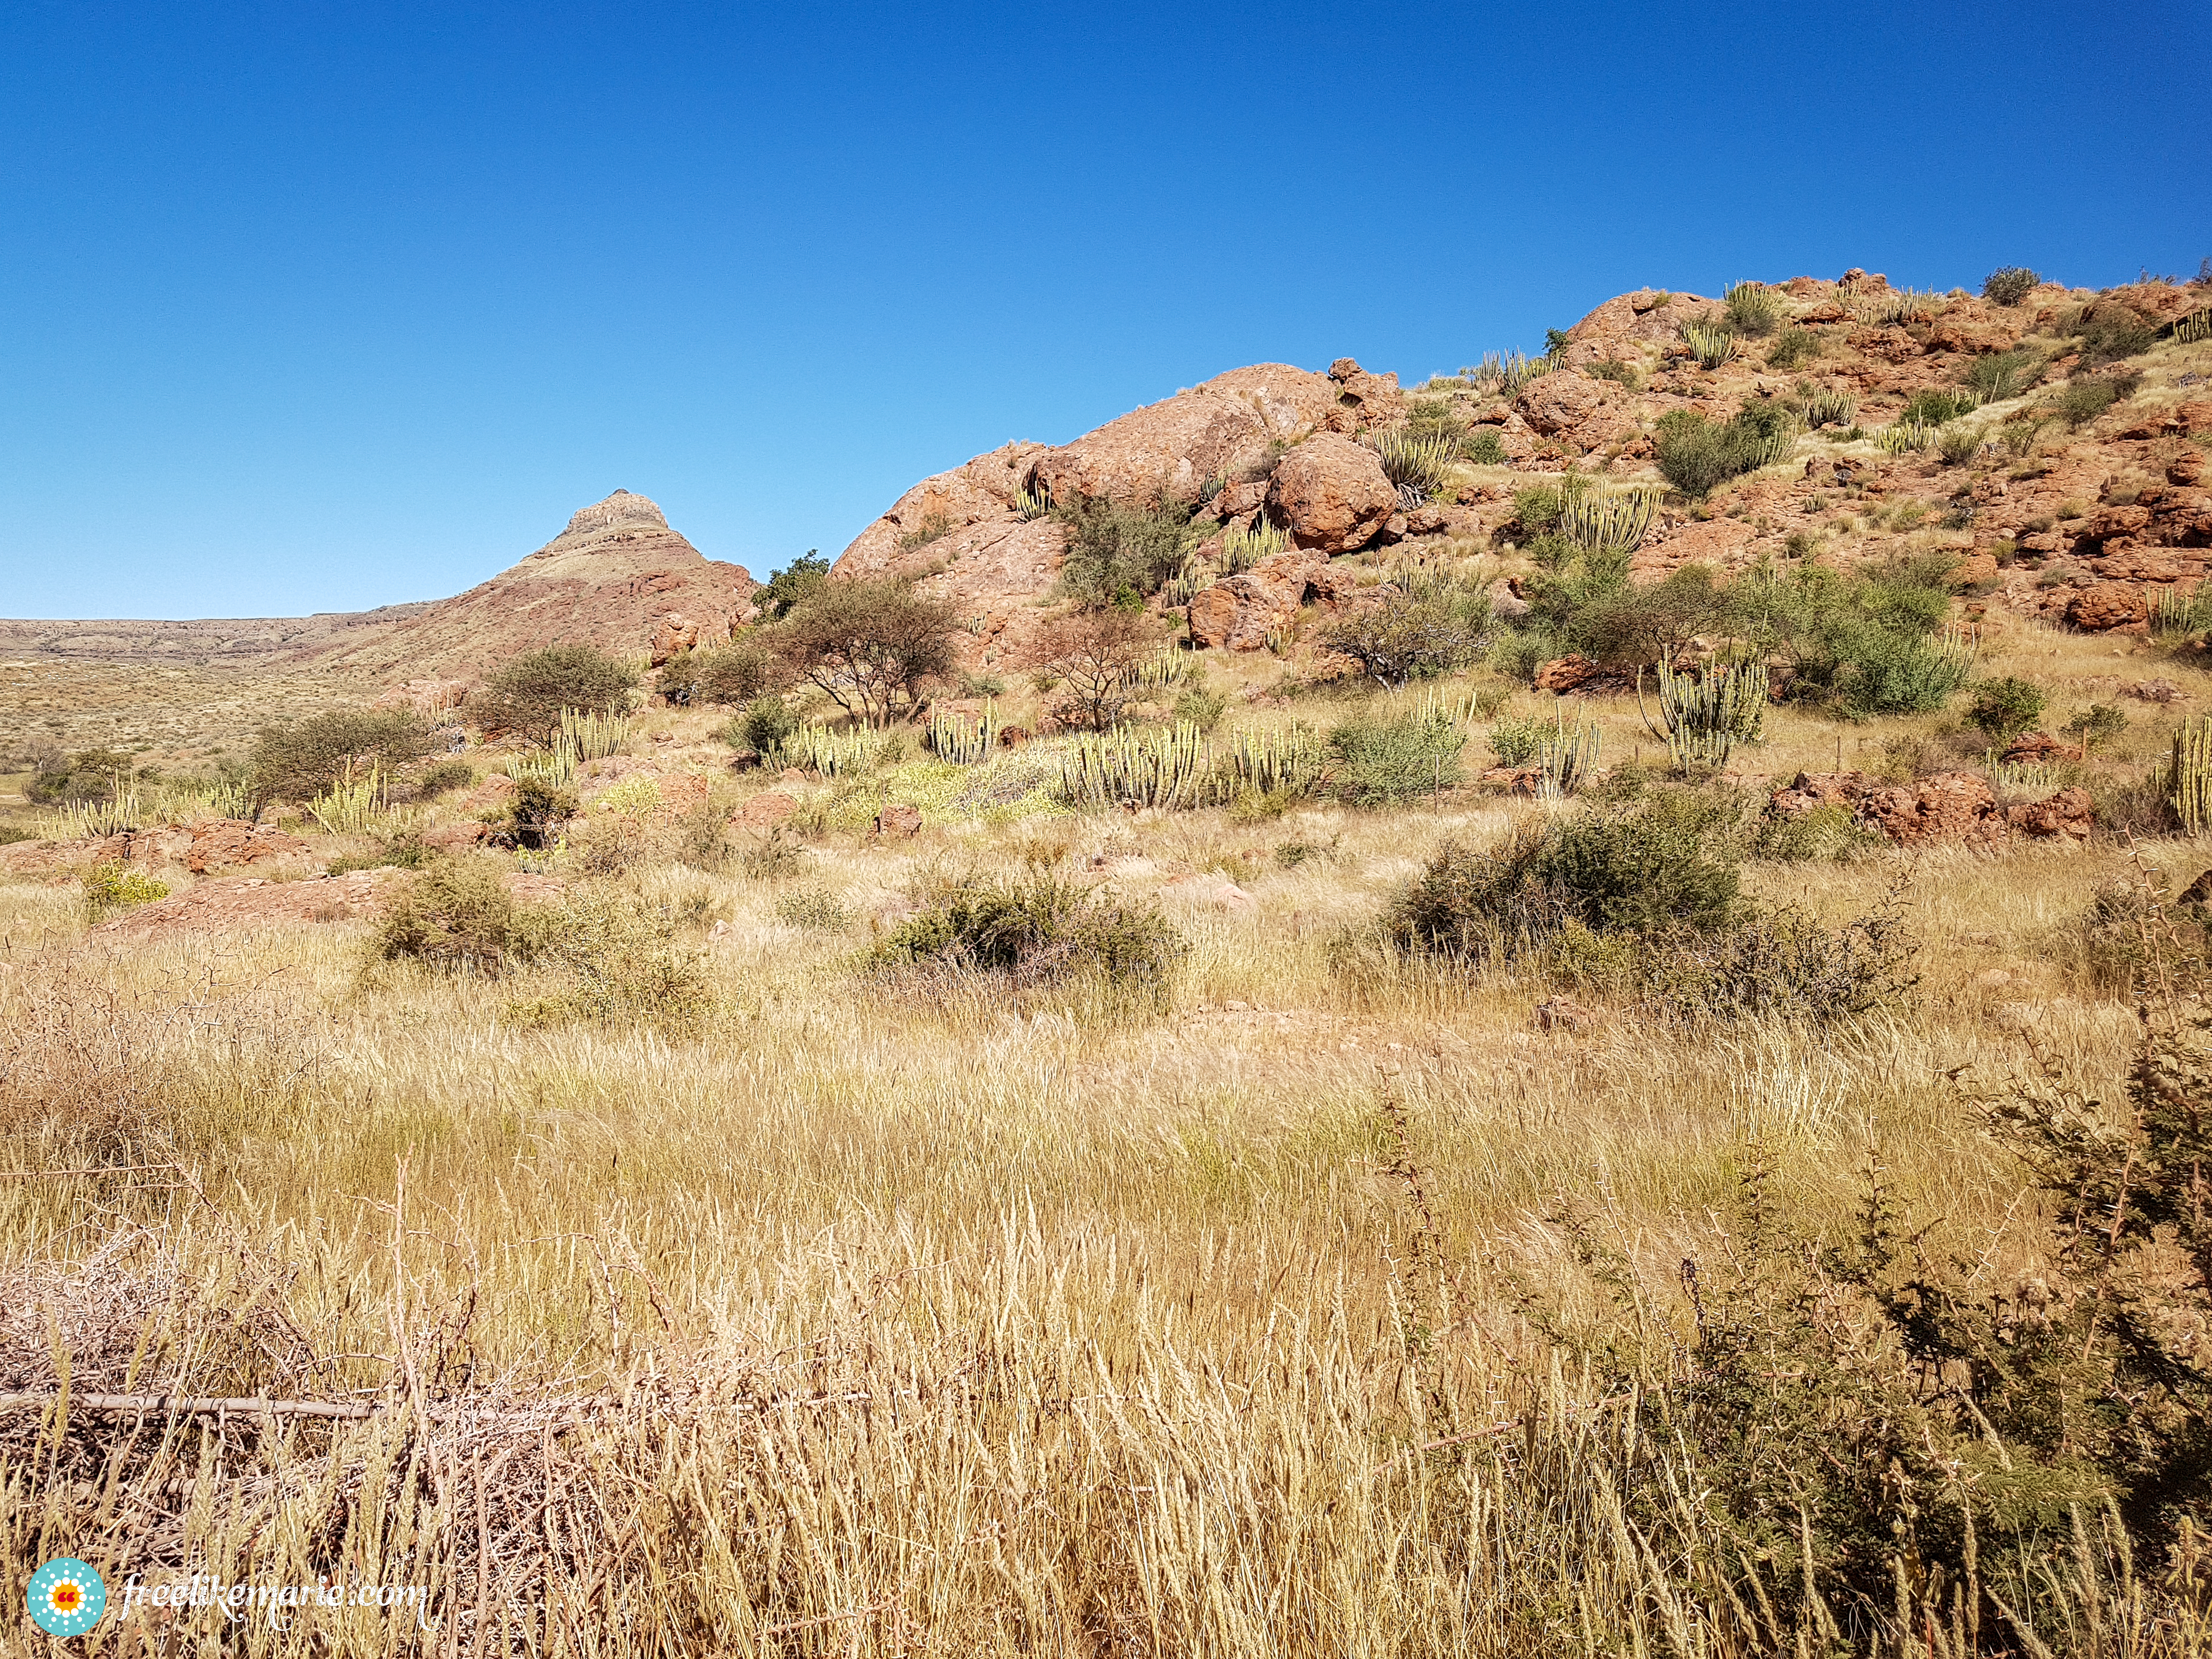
{"points": [[318, 306]]}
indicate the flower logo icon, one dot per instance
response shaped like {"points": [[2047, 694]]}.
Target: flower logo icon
{"points": [[67, 1597]]}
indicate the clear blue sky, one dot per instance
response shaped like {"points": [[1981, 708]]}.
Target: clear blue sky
{"points": [[314, 306]]}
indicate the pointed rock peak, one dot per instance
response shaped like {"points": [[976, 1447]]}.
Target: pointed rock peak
{"points": [[621, 507]]}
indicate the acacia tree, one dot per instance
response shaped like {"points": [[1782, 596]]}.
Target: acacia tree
{"points": [[872, 646], [527, 694], [1094, 654]]}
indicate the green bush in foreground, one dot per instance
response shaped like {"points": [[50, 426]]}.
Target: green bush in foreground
{"points": [[1644, 902], [1039, 933]]}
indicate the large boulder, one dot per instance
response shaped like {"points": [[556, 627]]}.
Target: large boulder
{"points": [[1239, 613], [2070, 813], [2104, 605], [1375, 400], [676, 632], [1332, 495]]}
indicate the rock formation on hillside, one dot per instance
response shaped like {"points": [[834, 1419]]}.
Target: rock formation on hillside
{"points": [[2078, 526], [613, 579]]}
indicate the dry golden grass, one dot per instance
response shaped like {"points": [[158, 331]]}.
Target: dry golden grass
{"points": [[855, 1325]]}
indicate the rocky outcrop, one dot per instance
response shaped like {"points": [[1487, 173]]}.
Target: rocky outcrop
{"points": [[1374, 400], [2107, 605], [1240, 612], [676, 632], [1332, 495], [1956, 808]]}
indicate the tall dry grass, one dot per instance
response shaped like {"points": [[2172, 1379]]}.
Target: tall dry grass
{"points": [[855, 1325]]}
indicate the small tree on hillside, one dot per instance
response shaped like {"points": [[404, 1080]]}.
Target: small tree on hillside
{"points": [[1426, 625], [527, 693], [872, 646], [302, 760], [789, 585], [1094, 655]]}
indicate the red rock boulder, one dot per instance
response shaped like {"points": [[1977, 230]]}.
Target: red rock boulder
{"points": [[1332, 494], [2070, 813], [2104, 605]]}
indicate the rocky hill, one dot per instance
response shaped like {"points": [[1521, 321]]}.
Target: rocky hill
{"points": [[616, 577], [2075, 519]]}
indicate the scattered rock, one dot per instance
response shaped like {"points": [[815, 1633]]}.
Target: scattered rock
{"points": [[1948, 806], [1241, 611], [766, 810], [1565, 674], [229, 842], [1373, 400], [898, 820], [2107, 605], [2070, 813], [675, 633], [2034, 747]]}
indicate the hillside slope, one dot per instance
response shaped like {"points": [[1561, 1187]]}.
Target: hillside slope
{"points": [[2077, 523]]}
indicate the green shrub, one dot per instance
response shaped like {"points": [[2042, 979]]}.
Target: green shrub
{"points": [[457, 915], [1753, 308], [1432, 621], [621, 963], [2082, 401], [110, 886], [727, 676], [1516, 739], [1956, 445], [1040, 933], [816, 909], [1198, 707], [1122, 555], [2003, 708], [2108, 332], [1995, 376], [443, 778], [1933, 406], [92, 775], [2096, 726], [871, 647], [1660, 864], [527, 694], [1697, 454], [1793, 348], [1484, 446], [1435, 418], [1619, 372], [299, 762], [1817, 835], [1384, 760], [10, 835], [537, 810], [935, 526], [767, 721], [2009, 284], [1864, 643], [1784, 964], [789, 585]]}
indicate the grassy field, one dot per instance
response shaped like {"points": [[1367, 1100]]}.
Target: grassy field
{"points": [[846, 1318]]}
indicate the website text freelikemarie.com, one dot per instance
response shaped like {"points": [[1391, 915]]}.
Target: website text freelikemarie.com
{"points": [[277, 1601]]}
